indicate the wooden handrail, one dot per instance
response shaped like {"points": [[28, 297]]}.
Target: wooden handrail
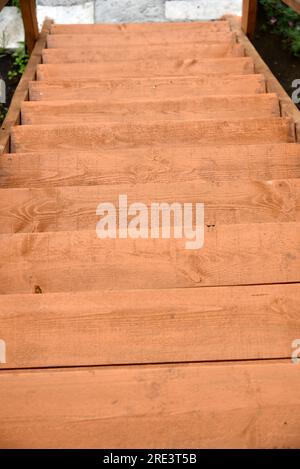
{"points": [[28, 10], [250, 10], [249, 17], [294, 4], [3, 3]]}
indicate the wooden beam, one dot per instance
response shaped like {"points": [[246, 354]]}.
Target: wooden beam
{"points": [[183, 324], [21, 94], [227, 405], [294, 4], [28, 10], [249, 17], [27, 138], [150, 164], [3, 3], [288, 108], [67, 208], [57, 261]]}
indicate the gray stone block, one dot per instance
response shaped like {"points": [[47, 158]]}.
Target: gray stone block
{"points": [[55, 3], [83, 13], [126, 11], [178, 10]]}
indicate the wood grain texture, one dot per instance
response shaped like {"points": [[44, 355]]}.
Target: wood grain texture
{"points": [[74, 208], [206, 107], [150, 164], [249, 17], [21, 93], [133, 38], [28, 10], [149, 326], [28, 138], [141, 52], [146, 68], [78, 260], [147, 88], [159, 406], [161, 27], [288, 108]]}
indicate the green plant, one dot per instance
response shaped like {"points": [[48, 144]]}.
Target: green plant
{"points": [[15, 3], [20, 59], [3, 111], [285, 22]]}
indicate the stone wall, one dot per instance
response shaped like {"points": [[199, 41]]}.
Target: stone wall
{"points": [[114, 11]]}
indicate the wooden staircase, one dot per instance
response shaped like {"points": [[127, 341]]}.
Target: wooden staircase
{"points": [[131, 343]]}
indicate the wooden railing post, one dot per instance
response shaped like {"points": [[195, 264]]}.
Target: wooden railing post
{"points": [[249, 17], [28, 9]]}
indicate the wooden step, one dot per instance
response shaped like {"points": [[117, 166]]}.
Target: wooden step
{"points": [[151, 164], [146, 68], [133, 38], [74, 208], [141, 52], [160, 406], [179, 325], [28, 138], [147, 88], [147, 28], [206, 107], [63, 261]]}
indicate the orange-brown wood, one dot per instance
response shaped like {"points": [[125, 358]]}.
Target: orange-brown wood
{"points": [[206, 107], [162, 406], [147, 88], [167, 113], [21, 93], [95, 328], [141, 52], [28, 10], [288, 108], [147, 28], [150, 164], [74, 208], [28, 138], [243, 254], [146, 68], [249, 17], [133, 38]]}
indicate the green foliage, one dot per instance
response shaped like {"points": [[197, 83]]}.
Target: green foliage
{"points": [[3, 111], [284, 22], [14, 3], [20, 59]]}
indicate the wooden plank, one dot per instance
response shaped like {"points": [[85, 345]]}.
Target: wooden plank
{"points": [[21, 93], [74, 208], [249, 17], [288, 108], [141, 52], [206, 107], [3, 3], [179, 325], [147, 88], [294, 4], [28, 138], [78, 260], [133, 38], [159, 406], [121, 28], [150, 164], [146, 68], [28, 10]]}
